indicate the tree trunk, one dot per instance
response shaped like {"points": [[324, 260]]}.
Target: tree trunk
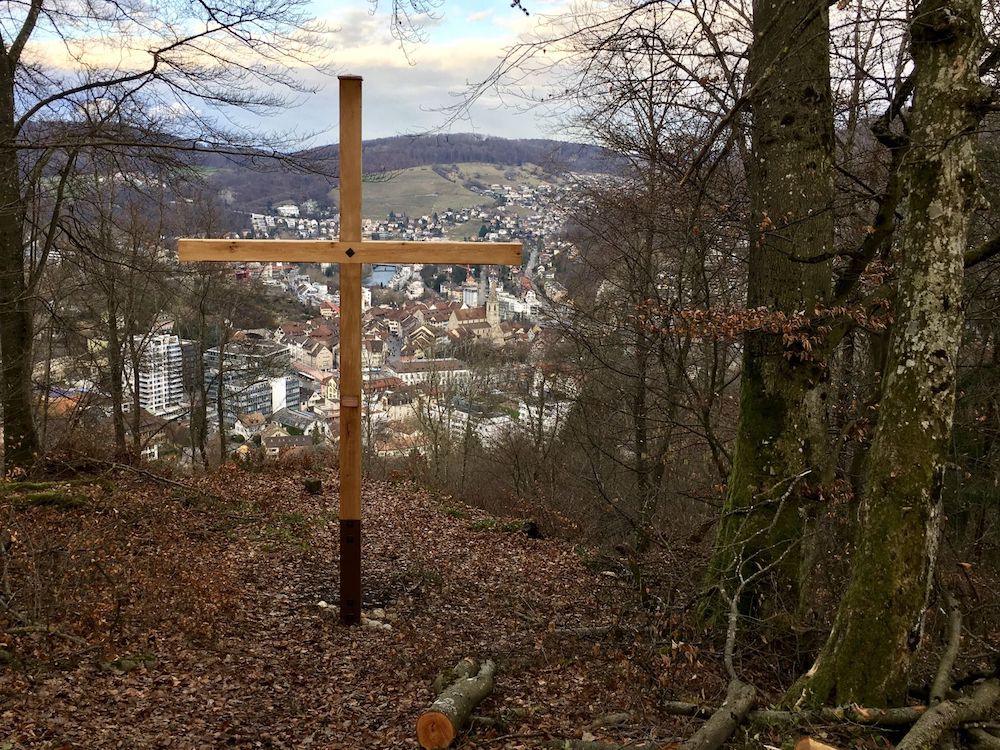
{"points": [[438, 726], [135, 363], [879, 623], [220, 396], [19, 435], [199, 386], [115, 373], [783, 417]]}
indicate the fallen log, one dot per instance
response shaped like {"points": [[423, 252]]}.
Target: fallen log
{"points": [[881, 717], [694, 710], [949, 714], [45, 630], [468, 667], [438, 726], [980, 739], [594, 745], [811, 743], [872, 717], [610, 720], [720, 727]]}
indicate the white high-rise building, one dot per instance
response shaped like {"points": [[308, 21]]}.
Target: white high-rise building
{"points": [[161, 374], [470, 293]]}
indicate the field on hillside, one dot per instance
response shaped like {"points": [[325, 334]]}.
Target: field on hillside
{"points": [[421, 191], [416, 192], [528, 174]]}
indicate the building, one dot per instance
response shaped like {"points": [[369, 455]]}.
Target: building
{"points": [[277, 445], [434, 371], [470, 293], [297, 422], [255, 378], [311, 352], [161, 374]]}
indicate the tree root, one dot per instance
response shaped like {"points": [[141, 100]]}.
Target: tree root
{"points": [[929, 725], [980, 739], [942, 680]]}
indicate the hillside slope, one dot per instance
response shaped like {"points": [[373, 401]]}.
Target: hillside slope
{"points": [[255, 187], [192, 620], [418, 191]]}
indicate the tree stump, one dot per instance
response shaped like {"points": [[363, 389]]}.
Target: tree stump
{"points": [[438, 726]]}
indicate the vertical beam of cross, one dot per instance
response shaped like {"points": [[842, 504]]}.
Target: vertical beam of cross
{"points": [[350, 353], [351, 252]]}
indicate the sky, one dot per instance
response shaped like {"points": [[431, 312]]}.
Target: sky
{"points": [[405, 89], [407, 85]]}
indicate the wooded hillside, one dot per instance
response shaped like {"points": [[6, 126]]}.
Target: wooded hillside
{"points": [[205, 611], [385, 155]]}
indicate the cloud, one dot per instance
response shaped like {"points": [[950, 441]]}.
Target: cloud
{"points": [[405, 100], [480, 16], [405, 90], [405, 87]]}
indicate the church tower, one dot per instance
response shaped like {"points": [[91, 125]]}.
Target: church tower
{"points": [[493, 307]]}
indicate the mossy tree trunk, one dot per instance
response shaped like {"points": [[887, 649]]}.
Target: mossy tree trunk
{"points": [[16, 329], [878, 625], [783, 415]]}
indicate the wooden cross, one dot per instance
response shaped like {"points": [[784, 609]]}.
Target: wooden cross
{"points": [[351, 252]]}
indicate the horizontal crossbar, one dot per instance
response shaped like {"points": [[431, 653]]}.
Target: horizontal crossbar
{"points": [[366, 251]]}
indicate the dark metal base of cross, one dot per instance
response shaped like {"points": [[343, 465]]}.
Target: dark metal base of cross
{"points": [[350, 572]]}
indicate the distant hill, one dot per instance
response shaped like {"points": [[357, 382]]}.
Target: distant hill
{"points": [[248, 188], [402, 152]]}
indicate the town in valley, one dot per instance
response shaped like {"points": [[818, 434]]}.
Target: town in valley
{"points": [[449, 352]]}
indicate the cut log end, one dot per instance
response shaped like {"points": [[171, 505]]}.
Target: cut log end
{"points": [[435, 731], [808, 743], [439, 724]]}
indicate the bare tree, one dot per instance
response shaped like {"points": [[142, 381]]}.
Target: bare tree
{"points": [[60, 92], [111, 234], [881, 614]]}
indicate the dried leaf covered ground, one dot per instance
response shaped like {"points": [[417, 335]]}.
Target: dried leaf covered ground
{"points": [[181, 619]]}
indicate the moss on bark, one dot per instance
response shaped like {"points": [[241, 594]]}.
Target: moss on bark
{"points": [[878, 625], [16, 303], [783, 422]]}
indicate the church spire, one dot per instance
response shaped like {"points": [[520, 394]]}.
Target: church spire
{"points": [[493, 306]]}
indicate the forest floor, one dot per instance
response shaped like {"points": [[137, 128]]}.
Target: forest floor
{"points": [[192, 619], [139, 614]]}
